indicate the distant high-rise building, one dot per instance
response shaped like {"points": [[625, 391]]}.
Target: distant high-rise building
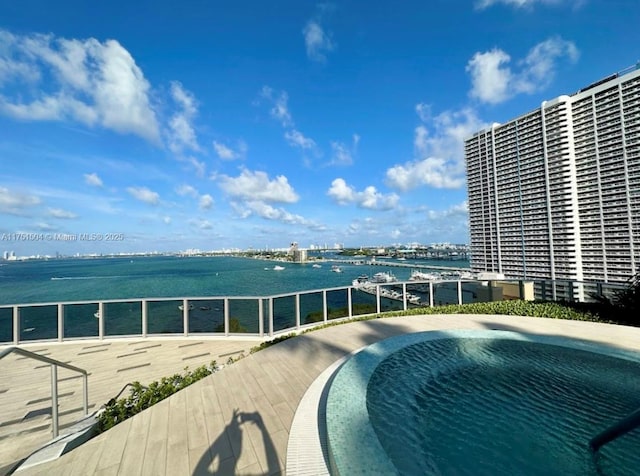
{"points": [[555, 193]]}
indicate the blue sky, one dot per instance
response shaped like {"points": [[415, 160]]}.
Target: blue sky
{"points": [[222, 124]]}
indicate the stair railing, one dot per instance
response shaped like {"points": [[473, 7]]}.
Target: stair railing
{"points": [[54, 381]]}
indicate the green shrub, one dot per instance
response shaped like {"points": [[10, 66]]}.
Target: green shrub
{"points": [[141, 397], [624, 306], [269, 343]]}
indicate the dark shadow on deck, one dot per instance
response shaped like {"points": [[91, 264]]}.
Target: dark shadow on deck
{"points": [[225, 451]]}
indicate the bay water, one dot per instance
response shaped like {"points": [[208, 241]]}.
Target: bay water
{"points": [[83, 279]]}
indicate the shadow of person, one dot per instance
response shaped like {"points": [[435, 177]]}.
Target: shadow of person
{"points": [[222, 457], [273, 464]]}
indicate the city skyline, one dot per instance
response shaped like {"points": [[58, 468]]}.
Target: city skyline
{"points": [[212, 127]]}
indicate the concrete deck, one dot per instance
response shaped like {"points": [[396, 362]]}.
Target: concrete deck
{"points": [[237, 421]]}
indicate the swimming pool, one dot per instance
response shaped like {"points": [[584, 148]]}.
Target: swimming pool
{"points": [[482, 402]]}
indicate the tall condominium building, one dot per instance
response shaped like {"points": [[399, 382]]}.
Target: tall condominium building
{"points": [[555, 194]]}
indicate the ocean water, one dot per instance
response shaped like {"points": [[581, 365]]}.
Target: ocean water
{"points": [[167, 276]]}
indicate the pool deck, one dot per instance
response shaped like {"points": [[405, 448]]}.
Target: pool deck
{"points": [[237, 421]]}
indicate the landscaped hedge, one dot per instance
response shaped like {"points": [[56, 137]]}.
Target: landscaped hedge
{"points": [[141, 397], [552, 310]]}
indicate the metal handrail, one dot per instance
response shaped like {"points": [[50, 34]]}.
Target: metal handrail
{"points": [[54, 380]]}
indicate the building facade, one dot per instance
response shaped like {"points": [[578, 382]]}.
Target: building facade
{"points": [[555, 194]]}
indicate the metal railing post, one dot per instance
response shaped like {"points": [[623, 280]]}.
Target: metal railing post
{"points": [[459, 285], [101, 320], [325, 311], [226, 317], [430, 294], [298, 311], [404, 296], [145, 318], [60, 323], [16, 325], [54, 399], [185, 316], [85, 394]]}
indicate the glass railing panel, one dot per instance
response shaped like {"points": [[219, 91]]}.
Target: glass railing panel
{"points": [[311, 308], [564, 291], [391, 298], [445, 293], [543, 290], [417, 294], [362, 303], [207, 316], [38, 322], [489, 291], [243, 316], [6, 324], [166, 317], [609, 291], [337, 304], [122, 318], [81, 320], [284, 313]]}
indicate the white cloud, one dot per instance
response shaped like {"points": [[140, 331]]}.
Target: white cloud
{"points": [[166, 220], [279, 214], [256, 186], [493, 81], [182, 135], [279, 108], [431, 171], [295, 138], [92, 82], [369, 198], [60, 213], [16, 203], [489, 76], [144, 195], [343, 154], [423, 111], [317, 41], [93, 180], [227, 153], [420, 141], [206, 202], [184, 190], [201, 224], [439, 159], [457, 209], [482, 4]]}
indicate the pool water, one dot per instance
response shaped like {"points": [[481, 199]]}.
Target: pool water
{"points": [[487, 406], [481, 406]]}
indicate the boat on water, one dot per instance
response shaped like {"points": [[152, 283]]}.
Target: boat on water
{"points": [[181, 307], [278, 268], [383, 277], [336, 269], [360, 281], [417, 275], [317, 266], [386, 292]]}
